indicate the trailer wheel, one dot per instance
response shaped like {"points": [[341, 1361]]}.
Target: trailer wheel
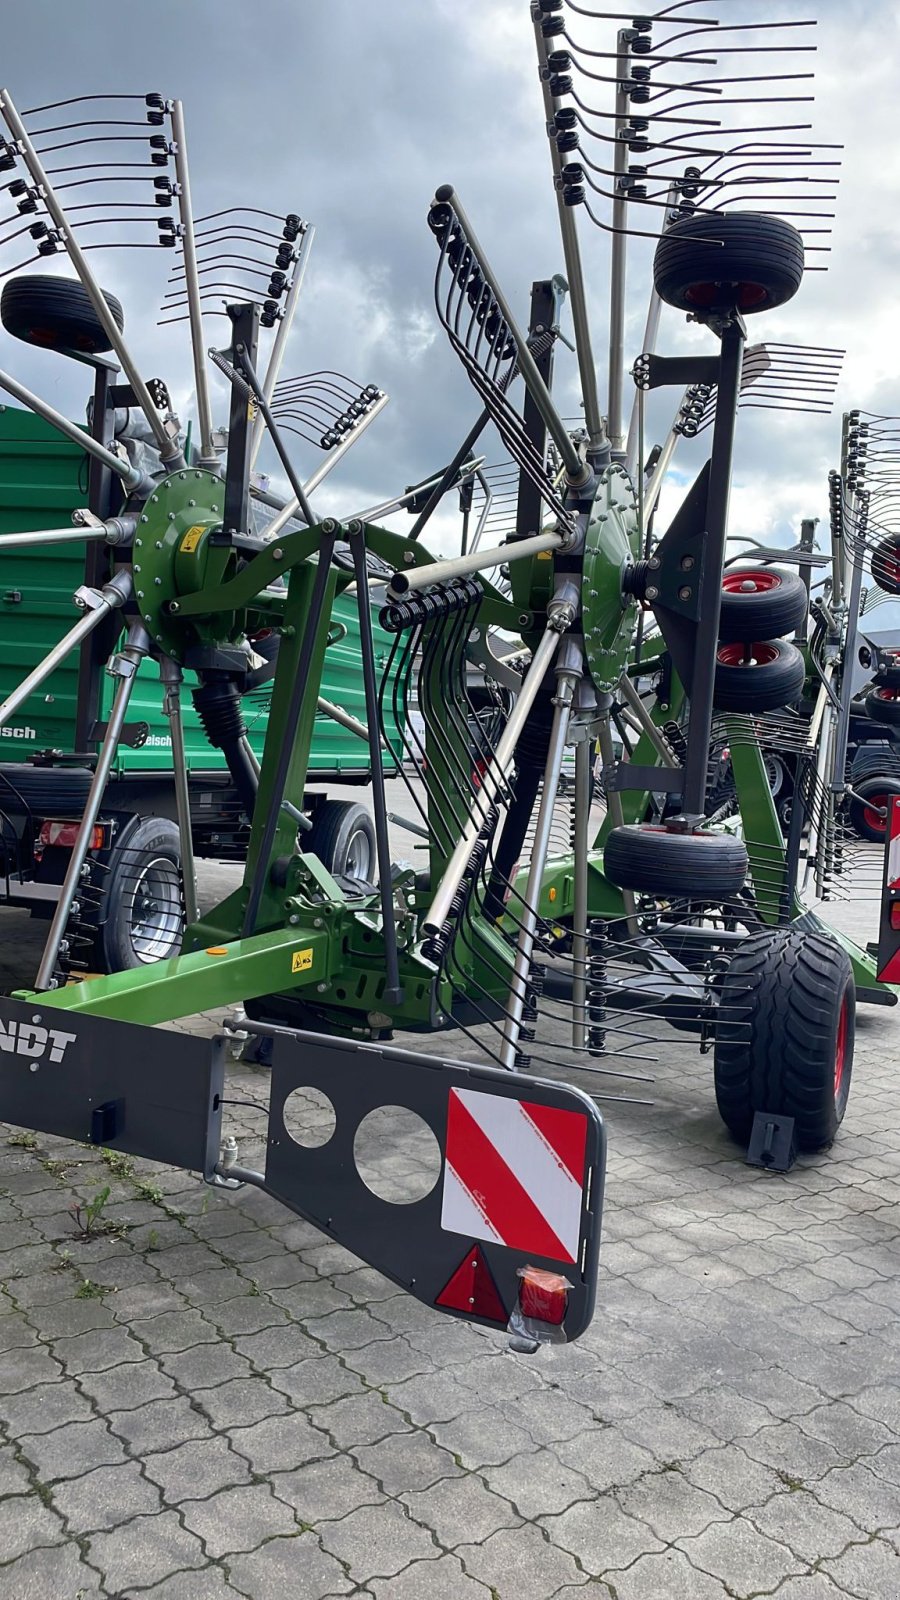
{"points": [[695, 866], [142, 896], [343, 838], [56, 313], [760, 603], [742, 258], [865, 816], [758, 677], [886, 564], [784, 1034], [883, 705]]}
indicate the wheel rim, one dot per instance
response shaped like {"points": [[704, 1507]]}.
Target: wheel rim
{"points": [[872, 818], [881, 693], [156, 915], [745, 295], [840, 1051], [359, 855], [750, 582], [747, 655]]}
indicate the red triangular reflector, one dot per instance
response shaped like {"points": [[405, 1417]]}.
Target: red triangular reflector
{"points": [[473, 1290], [890, 972]]}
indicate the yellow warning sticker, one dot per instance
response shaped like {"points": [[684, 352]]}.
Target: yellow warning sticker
{"points": [[302, 960], [545, 555], [191, 539]]}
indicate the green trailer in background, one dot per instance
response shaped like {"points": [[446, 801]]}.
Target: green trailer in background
{"points": [[133, 909]]}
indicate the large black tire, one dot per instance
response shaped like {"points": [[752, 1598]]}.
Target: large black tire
{"points": [[888, 675], [883, 705], [886, 564], [142, 899], [669, 865], [343, 838], [760, 603], [739, 258], [865, 818], [758, 677], [784, 1034], [56, 792], [874, 761], [56, 313]]}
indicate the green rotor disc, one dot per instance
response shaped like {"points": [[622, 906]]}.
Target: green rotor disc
{"points": [[173, 556]]}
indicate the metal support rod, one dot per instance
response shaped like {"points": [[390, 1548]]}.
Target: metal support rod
{"points": [[492, 781], [130, 476], [276, 355], [338, 714], [572, 254], [616, 814], [580, 844], [578, 472], [619, 238], [567, 680], [326, 465], [696, 766], [849, 658], [393, 992], [476, 561], [97, 605], [250, 753], [387, 507], [172, 679], [247, 380], [124, 666], [263, 865], [168, 448], [207, 455], [648, 346], [657, 477], [449, 475], [47, 536], [626, 689]]}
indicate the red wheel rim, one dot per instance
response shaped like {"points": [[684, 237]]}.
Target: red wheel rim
{"points": [[750, 581], [881, 693], [747, 655], [871, 817], [745, 295], [840, 1049]]}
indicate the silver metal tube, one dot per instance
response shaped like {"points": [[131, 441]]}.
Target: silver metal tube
{"points": [[632, 699], [577, 470], [47, 536], [651, 334], [574, 274], [583, 763], [128, 662], [250, 753], [528, 917], [292, 506], [847, 676], [652, 491], [171, 675], [208, 456], [397, 504], [338, 714], [485, 512], [104, 601], [168, 449], [614, 423], [130, 477], [492, 781], [476, 561], [617, 816], [276, 356]]}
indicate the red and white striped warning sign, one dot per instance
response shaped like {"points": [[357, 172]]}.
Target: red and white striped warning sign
{"points": [[889, 945], [893, 849], [514, 1173]]}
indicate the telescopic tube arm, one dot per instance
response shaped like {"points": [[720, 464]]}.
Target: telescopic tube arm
{"points": [[207, 456]]}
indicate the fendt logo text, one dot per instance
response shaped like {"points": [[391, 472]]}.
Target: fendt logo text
{"points": [[31, 1040]]}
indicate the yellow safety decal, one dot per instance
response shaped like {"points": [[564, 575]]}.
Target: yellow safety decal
{"points": [[191, 539], [302, 960], [545, 555]]}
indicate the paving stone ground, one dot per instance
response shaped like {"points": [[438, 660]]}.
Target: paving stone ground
{"points": [[215, 1401]]}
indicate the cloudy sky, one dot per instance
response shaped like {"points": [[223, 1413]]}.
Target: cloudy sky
{"points": [[351, 112]]}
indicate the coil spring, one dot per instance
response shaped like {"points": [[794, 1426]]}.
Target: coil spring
{"points": [[440, 601], [597, 985], [673, 734]]}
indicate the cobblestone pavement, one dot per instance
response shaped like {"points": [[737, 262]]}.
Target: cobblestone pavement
{"points": [[211, 1400]]}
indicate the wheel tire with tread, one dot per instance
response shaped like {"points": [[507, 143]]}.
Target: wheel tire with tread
{"points": [[878, 791], [883, 705], [143, 901], [58, 792], [760, 603], [773, 678], [885, 564], [343, 838], [655, 861], [784, 1034], [56, 314], [712, 258]]}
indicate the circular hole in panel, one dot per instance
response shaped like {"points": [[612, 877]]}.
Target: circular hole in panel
{"points": [[309, 1117], [397, 1155]]}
